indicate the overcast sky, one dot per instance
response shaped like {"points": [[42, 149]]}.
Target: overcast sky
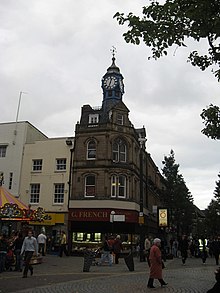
{"points": [[58, 50]]}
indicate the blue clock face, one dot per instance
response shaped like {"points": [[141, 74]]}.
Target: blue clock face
{"points": [[110, 82]]}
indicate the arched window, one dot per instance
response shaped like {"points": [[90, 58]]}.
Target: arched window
{"points": [[91, 150], [89, 185], [119, 151], [119, 186]]}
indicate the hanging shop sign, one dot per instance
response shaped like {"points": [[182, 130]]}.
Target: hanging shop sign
{"points": [[162, 213]]}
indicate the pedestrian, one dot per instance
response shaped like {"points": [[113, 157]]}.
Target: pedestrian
{"points": [[3, 251], [17, 245], [106, 252], [175, 247], [155, 264], [183, 247], [9, 260], [215, 247], [63, 243], [216, 288], [117, 248], [203, 248], [29, 248], [147, 246], [41, 240]]}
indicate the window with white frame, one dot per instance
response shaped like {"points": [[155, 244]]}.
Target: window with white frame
{"points": [[91, 150], [93, 118], [119, 119], [90, 185], [3, 151], [35, 193], [119, 151], [58, 193], [37, 165], [60, 164], [119, 186]]}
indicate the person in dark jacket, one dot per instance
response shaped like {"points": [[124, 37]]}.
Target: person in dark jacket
{"points": [[3, 251], [183, 247], [117, 248], [17, 245], [216, 288], [215, 247]]}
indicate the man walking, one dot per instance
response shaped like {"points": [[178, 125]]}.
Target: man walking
{"points": [[41, 240], [63, 243], [203, 247], [29, 248]]}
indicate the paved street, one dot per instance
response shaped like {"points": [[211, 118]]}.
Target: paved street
{"points": [[65, 275]]}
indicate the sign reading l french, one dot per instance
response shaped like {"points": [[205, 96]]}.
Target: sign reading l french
{"points": [[162, 213]]}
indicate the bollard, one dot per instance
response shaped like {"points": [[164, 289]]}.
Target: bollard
{"points": [[88, 258], [129, 262]]}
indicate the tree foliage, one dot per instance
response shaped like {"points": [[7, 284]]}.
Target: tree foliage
{"points": [[213, 212], [170, 24], [211, 119], [177, 197], [217, 191]]}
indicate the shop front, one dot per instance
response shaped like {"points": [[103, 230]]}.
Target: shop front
{"points": [[87, 227], [52, 224]]}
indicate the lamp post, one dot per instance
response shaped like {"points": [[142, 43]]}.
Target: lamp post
{"points": [[141, 213], [112, 218], [70, 143]]}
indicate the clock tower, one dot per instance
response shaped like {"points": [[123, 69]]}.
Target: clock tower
{"points": [[112, 85]]}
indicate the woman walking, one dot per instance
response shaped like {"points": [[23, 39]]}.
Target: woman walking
{"points": [[155, 264]]}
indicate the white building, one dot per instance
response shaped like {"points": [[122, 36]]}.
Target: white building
{"points": [[35, 169], [45, 180], [13, 137]]}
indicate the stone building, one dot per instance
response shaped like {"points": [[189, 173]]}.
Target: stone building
{"points": [[114, 182]]}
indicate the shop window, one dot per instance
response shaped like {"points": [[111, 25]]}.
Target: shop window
{"points": [[60, 164], [87, 237], [91, 150], [58, 193], [119, 186], [3, 151], [119, 151], [90, 185], [37, 165], [35, 193]]}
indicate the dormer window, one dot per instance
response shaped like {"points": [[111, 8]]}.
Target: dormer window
{"points": [[120, 119], [93, 118]]}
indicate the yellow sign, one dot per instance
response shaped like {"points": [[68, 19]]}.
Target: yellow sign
{"points": [[141, 219], [162, 217], [53, 219]]}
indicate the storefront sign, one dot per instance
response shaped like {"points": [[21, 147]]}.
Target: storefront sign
{"points": [[50, 220], [102, 215]]}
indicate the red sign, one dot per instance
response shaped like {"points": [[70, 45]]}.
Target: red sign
{"points": [[101, 215]]}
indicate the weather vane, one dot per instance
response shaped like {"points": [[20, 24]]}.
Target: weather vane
{"points": [[113, 51]]}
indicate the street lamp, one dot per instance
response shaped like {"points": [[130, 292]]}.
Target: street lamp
{"points": [[142, 141], [112, 218], [70, 142]]}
